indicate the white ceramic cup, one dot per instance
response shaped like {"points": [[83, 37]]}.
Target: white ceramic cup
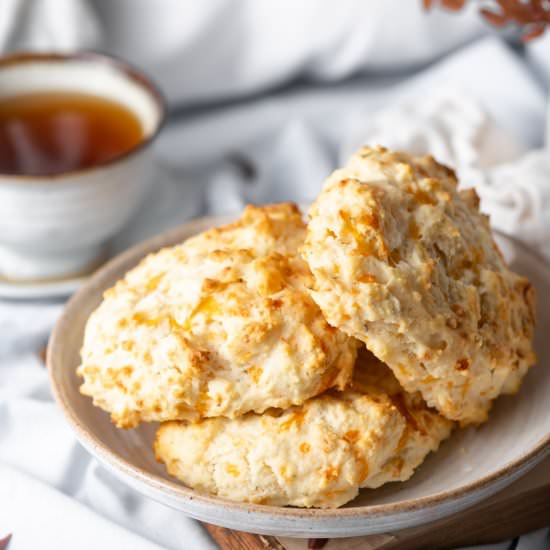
{"points": [[57, 226]]}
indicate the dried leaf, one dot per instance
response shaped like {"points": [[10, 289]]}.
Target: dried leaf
{"points": [[536, 31], [42, 352], [453, 5], [532, 16], [496, 19], [504, 4], [5, 542]]}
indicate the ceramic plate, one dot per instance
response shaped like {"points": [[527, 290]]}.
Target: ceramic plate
{"points": [[472, 465]]}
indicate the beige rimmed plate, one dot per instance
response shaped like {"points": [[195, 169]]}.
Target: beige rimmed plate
{"points": [[472, 465]]}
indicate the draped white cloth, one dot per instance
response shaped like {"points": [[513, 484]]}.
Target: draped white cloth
{"points": [[441, 83]]}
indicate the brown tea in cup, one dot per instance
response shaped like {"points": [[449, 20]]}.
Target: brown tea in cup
{"points": [[52, 133]]}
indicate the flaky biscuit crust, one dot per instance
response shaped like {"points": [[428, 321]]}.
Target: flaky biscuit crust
{"points": [[407, 264], [315, 455], [220, 325]]}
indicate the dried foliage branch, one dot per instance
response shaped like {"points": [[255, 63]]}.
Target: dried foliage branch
{"points": [[4, 542], [532, 16]]}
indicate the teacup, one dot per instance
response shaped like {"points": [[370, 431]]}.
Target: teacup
{"points": [[53, 226]]}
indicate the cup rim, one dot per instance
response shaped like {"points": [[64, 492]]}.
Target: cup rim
{"points": [[128, 71]]}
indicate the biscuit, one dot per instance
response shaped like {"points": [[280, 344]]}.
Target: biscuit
{"points": [[315, 455], [263, 230], [407, 264], [219, 325]]}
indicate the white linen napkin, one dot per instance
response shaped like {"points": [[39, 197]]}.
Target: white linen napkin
{"points": [[38, 516]]}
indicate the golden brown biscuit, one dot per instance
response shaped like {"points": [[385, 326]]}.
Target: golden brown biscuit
{"points": [[317, 454], [271, 228], [220, 325], [406, 263]]}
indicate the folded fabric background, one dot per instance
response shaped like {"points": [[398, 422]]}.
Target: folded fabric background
{"points": [[480, 108]]}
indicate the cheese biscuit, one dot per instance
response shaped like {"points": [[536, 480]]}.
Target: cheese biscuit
{"points": [[406, 263], [218, 326], [318, 454]]}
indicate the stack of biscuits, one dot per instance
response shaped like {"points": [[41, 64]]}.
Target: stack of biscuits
{"points": [[294, 364]]}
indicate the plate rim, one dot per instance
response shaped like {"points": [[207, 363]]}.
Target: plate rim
{"points": [[178, 490]]}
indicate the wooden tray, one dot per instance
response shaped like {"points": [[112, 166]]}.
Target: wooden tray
{"points": [[521, 507]]}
